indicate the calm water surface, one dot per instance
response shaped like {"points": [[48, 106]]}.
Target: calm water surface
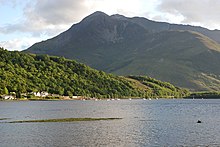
{"points": [[145, 123]]}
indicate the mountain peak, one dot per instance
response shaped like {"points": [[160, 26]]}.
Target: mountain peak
{"points": [[94, 16], [118, 16], [98, 13]]}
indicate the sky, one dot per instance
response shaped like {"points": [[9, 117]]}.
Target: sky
{"points": [[25, 22]]}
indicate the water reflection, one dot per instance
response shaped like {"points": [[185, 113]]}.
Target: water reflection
{"points": [[144, 123]]}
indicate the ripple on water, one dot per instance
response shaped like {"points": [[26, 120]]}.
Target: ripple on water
{"points": [[145, 123]]}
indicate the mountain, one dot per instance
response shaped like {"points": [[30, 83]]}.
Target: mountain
{"points": [[186, 56], [154, 26], [22, 73]]}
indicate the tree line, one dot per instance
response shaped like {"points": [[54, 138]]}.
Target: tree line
{"points": [[23, 73]]}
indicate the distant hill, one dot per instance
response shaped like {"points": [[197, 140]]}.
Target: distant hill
{"points": [[183, 55], [24, 73]]}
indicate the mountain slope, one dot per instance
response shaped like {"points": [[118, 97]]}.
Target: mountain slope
{"points": [[184, 66], [116, 44], [154, 26], [96, 41], [23, 73]]}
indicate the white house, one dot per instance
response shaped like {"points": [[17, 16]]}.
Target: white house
{"points": [[41, 94], [8, 97], [44, 94], [74, 97], [37, 94]]}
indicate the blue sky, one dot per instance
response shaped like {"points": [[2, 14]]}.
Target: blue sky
{"points": [[24, 22]]}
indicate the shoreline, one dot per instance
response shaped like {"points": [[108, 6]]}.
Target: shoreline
{"points": [[85, 99], [102, 99]]}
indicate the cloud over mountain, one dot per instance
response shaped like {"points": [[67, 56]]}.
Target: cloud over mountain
{"points": [[48, 18], [202, 12], [53, 16]]}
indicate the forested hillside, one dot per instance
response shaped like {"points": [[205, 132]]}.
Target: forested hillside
{"points": [[20, 72]]}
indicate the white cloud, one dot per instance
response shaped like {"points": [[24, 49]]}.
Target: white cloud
{"points": [[48, 18], [55, 11], [19, 43], [125, 7], [2, 2], [196, 12], [51, 17]]}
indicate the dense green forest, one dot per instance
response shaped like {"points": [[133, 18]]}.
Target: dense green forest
{"points": [[23, 73], [160, 89], [205, 94]]}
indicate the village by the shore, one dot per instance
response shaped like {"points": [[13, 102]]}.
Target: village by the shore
{"points": [[45, 96], [40, 96]]}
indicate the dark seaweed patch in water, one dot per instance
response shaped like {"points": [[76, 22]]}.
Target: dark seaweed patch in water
{"points": [[4, 118], [64, 120]]}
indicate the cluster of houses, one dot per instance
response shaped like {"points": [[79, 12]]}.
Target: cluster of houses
{"points": [[8, 97], [43, 94], [40, 94]]}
